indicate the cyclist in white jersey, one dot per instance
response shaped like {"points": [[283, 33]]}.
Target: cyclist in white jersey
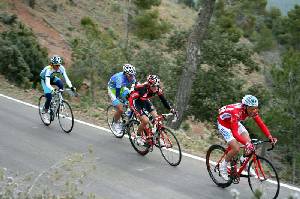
{"points": [[49, 76]]}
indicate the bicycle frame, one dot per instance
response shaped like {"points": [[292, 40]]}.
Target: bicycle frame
{"points": [[159, 126], [56, 101], [238, 171]]}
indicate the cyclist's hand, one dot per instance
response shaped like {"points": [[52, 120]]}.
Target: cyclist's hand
{"points": [[172, 110], [273, 140], [53, 91], [249, 147]]}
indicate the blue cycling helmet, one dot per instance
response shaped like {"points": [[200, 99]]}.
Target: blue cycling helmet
{"points": [[250, 100]]}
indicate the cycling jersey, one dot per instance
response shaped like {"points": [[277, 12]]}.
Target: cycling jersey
{"points": [[230, 115], [48, 73], [120, 80], [141, 94]]}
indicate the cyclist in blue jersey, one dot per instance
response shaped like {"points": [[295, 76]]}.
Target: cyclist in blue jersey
{"points": [[49, 76], [118, 89]]}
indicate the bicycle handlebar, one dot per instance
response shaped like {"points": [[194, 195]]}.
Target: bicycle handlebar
{"points": [[165, 115], [257, 142]]}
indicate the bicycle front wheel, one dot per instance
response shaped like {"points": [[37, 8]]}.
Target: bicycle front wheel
{"points": [[65, 117], [169, 147], [214, 156], [265, 182], [42, 101]]}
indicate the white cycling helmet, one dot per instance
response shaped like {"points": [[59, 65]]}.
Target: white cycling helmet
{"points": [[129, 69], [153, 80], [250, 100], [56, 60]]}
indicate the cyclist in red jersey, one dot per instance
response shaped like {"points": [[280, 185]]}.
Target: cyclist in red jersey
{"points": [[234, 132], [139, 100]]}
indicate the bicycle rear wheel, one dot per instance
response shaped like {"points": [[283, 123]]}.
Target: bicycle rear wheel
{"points": [[214, 156], [41, 105], [65, 117], [137, 141], [265, 182], [169, 147]]}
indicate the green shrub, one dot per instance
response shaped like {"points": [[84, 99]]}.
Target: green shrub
{"points": [[146, 4], [147, 25], [31, 52], [12, 64], [8, 19]]}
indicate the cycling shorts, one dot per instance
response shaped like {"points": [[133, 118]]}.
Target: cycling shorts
{"points": [[143, 106], [227, 134]]}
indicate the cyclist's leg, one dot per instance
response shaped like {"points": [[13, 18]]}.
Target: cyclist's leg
{"points": [[116, 103], [243, 132], [139, 106], [151, 109], [48, 95], [234, 148]]}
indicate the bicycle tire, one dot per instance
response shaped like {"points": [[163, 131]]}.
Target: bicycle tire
{"points": [[68, 117], [167, 138], [141, 149], [212, 155], [41, 107], [268, 169], [110, 121]]}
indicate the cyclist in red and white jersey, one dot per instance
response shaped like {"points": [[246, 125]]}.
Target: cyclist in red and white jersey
{"points": [[139, 100], [234, 132]]}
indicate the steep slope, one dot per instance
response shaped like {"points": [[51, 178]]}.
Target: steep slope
{"points": [[47, 35]]}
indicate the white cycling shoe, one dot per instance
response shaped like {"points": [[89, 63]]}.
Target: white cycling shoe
{"points": [[117, 127], [223, 170], [46, 118]]}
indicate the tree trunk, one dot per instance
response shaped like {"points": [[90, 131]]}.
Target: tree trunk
{"points": [[126, 38], [193, 53]]}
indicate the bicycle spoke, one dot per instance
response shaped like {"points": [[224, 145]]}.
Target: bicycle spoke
{"points": [[137, 141], [214, 157], [169, 147], [65, 116], [110, 112], [42, 101], [265, 182]]}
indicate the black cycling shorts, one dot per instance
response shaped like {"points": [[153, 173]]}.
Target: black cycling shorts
{"points": [[143, 105]]}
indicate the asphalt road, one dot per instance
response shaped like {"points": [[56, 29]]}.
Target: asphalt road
{"points": [[27, 146]]}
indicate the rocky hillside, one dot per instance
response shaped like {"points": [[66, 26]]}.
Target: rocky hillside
{"points": [[56, 23]]}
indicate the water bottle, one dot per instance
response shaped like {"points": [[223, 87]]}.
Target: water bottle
{"points": [[128, 113]]}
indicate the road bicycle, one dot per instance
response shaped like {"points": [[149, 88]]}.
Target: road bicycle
{"points": [[265, 181], [156, 135], [59, 108], [126, 116]]}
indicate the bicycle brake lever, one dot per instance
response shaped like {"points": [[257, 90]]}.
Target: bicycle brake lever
{"points": [[270, 149]]}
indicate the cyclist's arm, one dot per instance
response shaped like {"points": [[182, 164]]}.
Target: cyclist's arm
{"points": [[262, 126], [133, 95], [235, 128], [47, 80], [164, 101], [118, 86], [66, 76]]}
